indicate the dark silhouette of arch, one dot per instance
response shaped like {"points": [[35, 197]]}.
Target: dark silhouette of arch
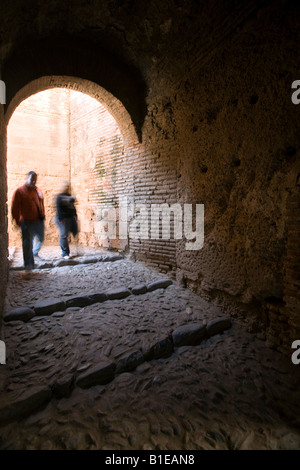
{"points": [[82, 59]]}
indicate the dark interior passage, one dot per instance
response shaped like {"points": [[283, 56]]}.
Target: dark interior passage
{"points": [[200, 100]]}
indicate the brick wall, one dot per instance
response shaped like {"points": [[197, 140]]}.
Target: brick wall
{"points": [[99, 171], [155, 183], [65, 134], [104, 168]]}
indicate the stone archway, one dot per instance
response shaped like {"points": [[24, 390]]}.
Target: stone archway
{"points": [[113, 156], [76, 63], [109, 101]]}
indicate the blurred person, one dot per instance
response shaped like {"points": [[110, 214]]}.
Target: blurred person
{"points": [[28, 211], [66, 218]]}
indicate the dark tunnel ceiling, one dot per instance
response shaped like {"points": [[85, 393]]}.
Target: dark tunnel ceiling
{"points": [[67, 57]]}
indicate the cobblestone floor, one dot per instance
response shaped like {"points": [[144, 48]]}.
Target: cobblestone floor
{"points": [[228, 392]]}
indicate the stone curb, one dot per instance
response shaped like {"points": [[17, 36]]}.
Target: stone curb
{"points": [[21, 314], [30, 401], [190, 334], [52, 305], [101, 374], [73, 262], [104, 372]]}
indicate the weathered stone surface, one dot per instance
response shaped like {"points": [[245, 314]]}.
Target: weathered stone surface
{"points": [[112, 257], [161, 349], [88, 260], [190, 334], [49, 350], [63, 387], [101, 374], [65, 262], [218, 325], [44, 265], [160, 284], [141, 289], [22, 313], [95, 298], [118, 293], [31, 400], [78, 301], [130, 362], [48, 306]]}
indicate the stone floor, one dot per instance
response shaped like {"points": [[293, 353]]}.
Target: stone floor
{"points": [[112, 374]]}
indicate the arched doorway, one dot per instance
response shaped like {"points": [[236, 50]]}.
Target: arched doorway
{"points": [[66, 128]]}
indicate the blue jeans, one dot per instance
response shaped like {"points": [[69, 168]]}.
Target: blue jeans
{"points": [[32, 239], [68, 226]]}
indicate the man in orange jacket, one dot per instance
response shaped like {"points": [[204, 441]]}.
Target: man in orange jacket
{"points": [[28, 211]]}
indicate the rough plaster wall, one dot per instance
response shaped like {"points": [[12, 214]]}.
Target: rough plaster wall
{"points": [[38, 140], [240, 157], [289, 311], [229, 127]]}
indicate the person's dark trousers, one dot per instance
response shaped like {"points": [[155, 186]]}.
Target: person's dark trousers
{"points": [[38, 236], [29, 230], [69, 225], [27, 238]]}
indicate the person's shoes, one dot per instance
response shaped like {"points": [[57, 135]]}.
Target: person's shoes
{"points": [[27, 273], [38, 257], [66, 257]]}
